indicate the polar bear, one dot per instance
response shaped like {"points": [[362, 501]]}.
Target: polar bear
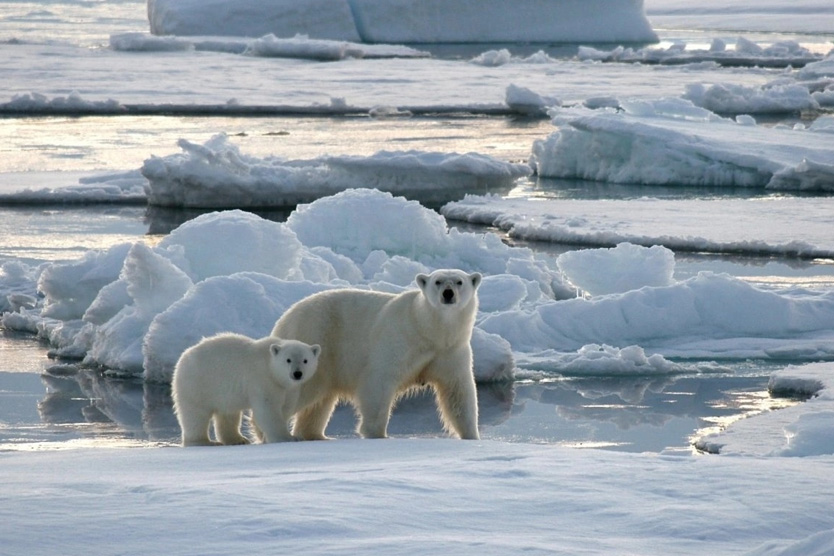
{"points": [[224, 375], [380, 345]]}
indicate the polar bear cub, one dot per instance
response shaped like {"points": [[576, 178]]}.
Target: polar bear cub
{"points": [[379, 345], [224, 375]]}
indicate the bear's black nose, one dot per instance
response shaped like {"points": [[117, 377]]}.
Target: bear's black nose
{"points": [[448, 296], [297, 375]]}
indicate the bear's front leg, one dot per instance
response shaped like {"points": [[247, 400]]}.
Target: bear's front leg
{"points": [[271, 422], [457, 395], [311, 422]]}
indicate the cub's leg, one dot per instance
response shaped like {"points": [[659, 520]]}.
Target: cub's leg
{"points": [[227, 428], [270, 423], [311, 422]]}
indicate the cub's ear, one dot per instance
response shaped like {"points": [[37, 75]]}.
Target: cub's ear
{"points": [[475, 278], [422, 281], [316, 349], [275, 348]]}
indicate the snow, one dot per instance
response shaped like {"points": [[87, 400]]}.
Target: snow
{"points": [[530, 103], [406, 21], [628, 267], [615, 309], [412, 496], [738, 99]]}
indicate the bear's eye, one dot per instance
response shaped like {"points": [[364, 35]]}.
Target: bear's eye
{"points": [[460, 282], [289, 360], [438, 283], [305, 361]]}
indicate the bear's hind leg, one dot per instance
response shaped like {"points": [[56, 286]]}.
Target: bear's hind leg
{"points": [[311, 422], [375, 411], [195, 426], [227, 428], [255, 432]]}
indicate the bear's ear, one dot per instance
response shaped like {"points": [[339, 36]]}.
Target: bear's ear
{"points": [[316, 349], [475, 278], [274, 349], [422, 281]]}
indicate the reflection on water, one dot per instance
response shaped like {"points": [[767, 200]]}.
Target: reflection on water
{"points": [[96, 144], [58, 233], [85, 408], [164, 220], [82, 407]]}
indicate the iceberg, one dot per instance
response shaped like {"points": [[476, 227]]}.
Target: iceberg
{"points": [[408, 21]]}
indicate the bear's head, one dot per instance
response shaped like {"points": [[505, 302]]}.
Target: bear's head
{"points": [[293, 362], [449, 288]]}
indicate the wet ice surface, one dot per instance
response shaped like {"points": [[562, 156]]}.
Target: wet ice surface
{"points": [[638, 414]]}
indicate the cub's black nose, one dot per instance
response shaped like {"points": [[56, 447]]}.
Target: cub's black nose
{"points": [[448, 296], [297, 375]]}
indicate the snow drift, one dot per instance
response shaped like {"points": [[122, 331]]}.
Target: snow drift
{"points": [[134, 308]]}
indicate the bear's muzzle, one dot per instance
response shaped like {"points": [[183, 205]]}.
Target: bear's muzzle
{"points": [[448, 296]]}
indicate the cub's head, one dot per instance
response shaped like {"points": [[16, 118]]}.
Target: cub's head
{"points": [[452, 289], [293, 362]]}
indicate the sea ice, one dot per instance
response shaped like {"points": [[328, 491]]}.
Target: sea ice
{"points": [[217, 174], [673, 142]]}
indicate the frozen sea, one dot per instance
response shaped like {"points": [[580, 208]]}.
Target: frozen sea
{"points": [[91, 98], [46, 150]]}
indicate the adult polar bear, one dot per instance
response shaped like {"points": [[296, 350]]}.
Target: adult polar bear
{"points": [[379, 345]]}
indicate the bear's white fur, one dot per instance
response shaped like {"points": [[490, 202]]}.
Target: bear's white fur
{"points": [[224, 375], [379, 345]]}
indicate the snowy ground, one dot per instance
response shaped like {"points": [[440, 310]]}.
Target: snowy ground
{"points": [[410, 496], [134, 306]]}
